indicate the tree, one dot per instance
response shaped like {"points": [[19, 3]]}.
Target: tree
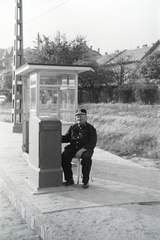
{"points": [[93, 80], [57, 51], [122, 68], [150, 67]]}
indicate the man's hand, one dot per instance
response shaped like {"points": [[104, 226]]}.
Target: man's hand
{"points": [[80, 152]]}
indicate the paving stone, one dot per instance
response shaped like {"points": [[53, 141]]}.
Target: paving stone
{"points": [[12, 225]]}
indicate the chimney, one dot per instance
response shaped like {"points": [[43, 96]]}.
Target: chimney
{"points": [[145, 45], [98, 49], [91, 47], [106, 53], [137, 46]]}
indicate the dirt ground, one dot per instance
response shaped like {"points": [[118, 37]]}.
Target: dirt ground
{"points": [[145, 162]]}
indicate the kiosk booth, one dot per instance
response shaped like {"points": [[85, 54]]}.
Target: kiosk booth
{"points": [[50, 99]]}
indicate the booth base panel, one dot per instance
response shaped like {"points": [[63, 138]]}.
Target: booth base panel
{"points": [[44, 178], [36, 191]]}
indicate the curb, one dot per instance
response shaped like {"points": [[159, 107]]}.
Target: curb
{"points": [[32, 216]]}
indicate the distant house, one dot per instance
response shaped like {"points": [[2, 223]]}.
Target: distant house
{"points": [[130, 56], [123, 63], [89, 52], [155, 47], [89, 55], [126, 62], [133, 55]]}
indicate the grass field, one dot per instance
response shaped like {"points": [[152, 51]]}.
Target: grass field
{"points": [[129, 130]]}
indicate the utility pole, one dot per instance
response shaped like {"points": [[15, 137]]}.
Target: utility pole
{"points": [[17, 62]]}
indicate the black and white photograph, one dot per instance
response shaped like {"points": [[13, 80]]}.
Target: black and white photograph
{"points": [[79, 119]]}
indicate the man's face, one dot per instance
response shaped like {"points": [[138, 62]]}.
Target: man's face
{"points": [[81, 119]]}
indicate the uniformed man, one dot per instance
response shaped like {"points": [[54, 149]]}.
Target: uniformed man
{"points": [[82, 137]]}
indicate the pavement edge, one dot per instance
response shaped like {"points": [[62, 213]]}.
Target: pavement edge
{"points": [[32, 216]]}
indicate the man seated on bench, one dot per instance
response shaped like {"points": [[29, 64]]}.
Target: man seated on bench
{"points": [[82, 137]]}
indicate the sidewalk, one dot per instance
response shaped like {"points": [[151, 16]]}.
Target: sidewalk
{"points": [[123, 202]]}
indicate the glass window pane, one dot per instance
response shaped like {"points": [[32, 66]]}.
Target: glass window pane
{"points": [[48, 101], [33, 79], [57, 96], [67, 99], [46, 79], [67, 117], [72, 82], [33, 98]]}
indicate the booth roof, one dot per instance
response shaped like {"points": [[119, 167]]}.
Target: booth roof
{"points": [[28, 68]]}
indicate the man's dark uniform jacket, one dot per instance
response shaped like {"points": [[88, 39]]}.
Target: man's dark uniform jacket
{"points": [[83, 136]]}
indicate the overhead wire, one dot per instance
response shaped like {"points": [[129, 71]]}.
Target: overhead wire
{"points": [[47, 11], [38, 15]]}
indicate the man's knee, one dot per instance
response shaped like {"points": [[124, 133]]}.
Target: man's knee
{"points": [[67, 156], [87, 155]]}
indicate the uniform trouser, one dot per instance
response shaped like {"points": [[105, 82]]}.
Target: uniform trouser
{"points": [[67, 166]]}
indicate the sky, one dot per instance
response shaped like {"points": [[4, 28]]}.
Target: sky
{"points": [[109, 25]]}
